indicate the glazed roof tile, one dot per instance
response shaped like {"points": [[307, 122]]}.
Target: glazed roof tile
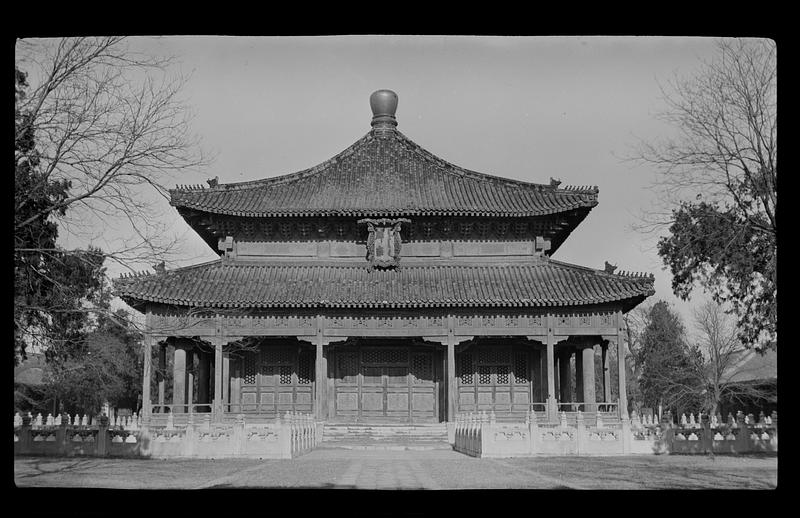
{"points": [[538, 283], [384, 174]]}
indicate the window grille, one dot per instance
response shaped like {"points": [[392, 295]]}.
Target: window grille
{"points": [[285, 375], [521, 367], [466, 369], [502, 374], [304, 371], [494, 355], [347, 366], [250, 367], [277, 355], [422, 368], [384, 355], [484, 374]]}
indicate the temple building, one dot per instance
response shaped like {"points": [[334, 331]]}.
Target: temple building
{"points": [[384, 285]]}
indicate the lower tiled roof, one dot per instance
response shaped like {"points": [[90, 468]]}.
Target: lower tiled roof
{"points": [[236, 285]]}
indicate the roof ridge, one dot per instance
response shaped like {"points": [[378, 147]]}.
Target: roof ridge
{"points": [[622, 273], [477, 175], [287, 177]]}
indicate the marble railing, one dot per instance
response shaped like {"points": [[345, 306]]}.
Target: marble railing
{"points": [[289, 437], [480, 435]]}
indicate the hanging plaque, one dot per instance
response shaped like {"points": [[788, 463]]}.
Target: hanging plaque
{"points": [[384, 241]]}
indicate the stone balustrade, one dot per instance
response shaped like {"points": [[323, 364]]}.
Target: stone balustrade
{"points": [[293, 435], [479, 435]]}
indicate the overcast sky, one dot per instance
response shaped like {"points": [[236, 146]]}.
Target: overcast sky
{"points": [[526, 108]]}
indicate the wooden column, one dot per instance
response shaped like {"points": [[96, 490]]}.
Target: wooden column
{"points": [[606, 372], [552, 406], [203, 368], [179, 378], [161, 374], [218, 380], [565, 387], [452, 389], [589, 396], [190, 395], [146, 375], [578, 375], [320, 381], [226, 380], [623, 393]]}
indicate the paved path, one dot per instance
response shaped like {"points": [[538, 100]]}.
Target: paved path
{"points": [[436, 469]]}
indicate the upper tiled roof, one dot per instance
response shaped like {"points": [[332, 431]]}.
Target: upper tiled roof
{"points": [[385, 174], [539, 283]]}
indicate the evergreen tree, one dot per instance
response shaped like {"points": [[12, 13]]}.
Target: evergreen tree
{"points": [[666, 363]]}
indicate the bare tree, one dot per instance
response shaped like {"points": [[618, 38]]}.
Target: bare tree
{"points": [[110, 124], [100, 131], [723, 356], [717, 181]]}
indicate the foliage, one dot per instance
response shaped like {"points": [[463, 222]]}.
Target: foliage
{"points": [[721, 173], [51, 286], [667, 365], [106, 367]]}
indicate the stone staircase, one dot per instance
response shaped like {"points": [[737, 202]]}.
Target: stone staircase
{"points": [[385, 436]]}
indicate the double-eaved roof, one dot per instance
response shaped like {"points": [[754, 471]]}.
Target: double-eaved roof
{"points": [[539, 283], [385, 174]]}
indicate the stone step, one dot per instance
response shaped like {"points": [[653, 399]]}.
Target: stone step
{"points": [[385, 446]]}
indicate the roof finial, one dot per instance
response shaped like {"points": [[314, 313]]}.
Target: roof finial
{"points": [[384, 106]]}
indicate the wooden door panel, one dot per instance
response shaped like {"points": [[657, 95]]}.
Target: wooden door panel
{"points": [[397, 402], [346, 402]]}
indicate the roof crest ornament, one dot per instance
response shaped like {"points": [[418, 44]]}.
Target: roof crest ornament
{"points": [[384, 106]]}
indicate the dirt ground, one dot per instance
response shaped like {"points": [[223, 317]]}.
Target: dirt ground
{"points": [[438, 469]]}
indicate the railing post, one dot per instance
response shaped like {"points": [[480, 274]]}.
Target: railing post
{"points": [[743, 439], [25, 435], [708, 437], [579, 433], [626, 435], [101, 445], [533, 433]]}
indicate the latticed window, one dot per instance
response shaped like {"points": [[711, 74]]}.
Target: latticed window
{"points": [[484, 374], [277, 355], [503, 377], [285, 375], [422, 368], [381, 355], [466, 229], [521, 227], [304, 370], [250, 367], [521, 367], [465, 369], [494, 355], [347, 366], [286, 230], [304, 228]]}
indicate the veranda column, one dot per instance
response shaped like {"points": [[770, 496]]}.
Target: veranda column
{"points": [[190, 395], [451, 379], [320, 381], [226, 380], [147, 361], [161, 374], [203, 378], [218, 380], [606, 372], [564, 375], [578, 375], [179, 378], [552, 406], [623, 393], [589, 396]]}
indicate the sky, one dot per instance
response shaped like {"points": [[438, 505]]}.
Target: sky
{"points": [[527, 108]]}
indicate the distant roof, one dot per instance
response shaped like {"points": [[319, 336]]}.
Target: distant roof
{"points": [[754, 366], [540, 283]]}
